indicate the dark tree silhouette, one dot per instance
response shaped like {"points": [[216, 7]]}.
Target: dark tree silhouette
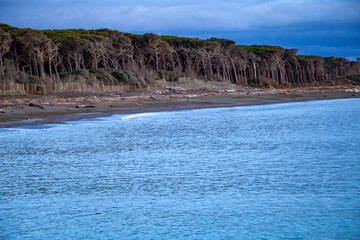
{"points": [[51, 52]]}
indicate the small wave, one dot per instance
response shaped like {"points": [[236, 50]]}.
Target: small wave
{"points": [[7, 131], [140, 115]]}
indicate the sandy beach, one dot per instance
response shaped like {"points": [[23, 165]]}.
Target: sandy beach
{"points": [[17, 110]]}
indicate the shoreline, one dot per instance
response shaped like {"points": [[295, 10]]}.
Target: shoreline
{"points": [[59, 109]]}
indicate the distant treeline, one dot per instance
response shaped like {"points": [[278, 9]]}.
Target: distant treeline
{"points": [[49, 54]]}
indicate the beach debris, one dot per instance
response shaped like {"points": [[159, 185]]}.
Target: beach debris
{"points": [[352, 90], [2, 111], [230, 90], [85, 106], [178, 89], [36, 105]]}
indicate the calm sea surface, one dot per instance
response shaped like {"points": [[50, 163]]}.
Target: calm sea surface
{"points": [[259, 172]]}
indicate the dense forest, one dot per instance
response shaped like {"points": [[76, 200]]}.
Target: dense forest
{"points": [[48, 56]]}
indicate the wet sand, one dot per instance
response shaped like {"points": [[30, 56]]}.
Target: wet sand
{"points": [[15, 110]]}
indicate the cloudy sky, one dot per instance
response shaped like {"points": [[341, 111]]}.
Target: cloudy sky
{"points": [[318, 27]]}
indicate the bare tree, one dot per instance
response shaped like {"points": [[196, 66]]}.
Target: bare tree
{"points": [[53, 56], [122, 51], [5, 44], [37, 48], [153, 49], [98, 49]]}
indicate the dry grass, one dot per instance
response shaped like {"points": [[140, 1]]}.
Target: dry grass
{"points": [[12, 88], [80, 84]]}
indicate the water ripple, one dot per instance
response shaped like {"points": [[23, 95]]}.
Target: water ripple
{"points": [[260, 172]]}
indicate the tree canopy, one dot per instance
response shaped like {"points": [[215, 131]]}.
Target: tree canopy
{"points": [[50, 52]]}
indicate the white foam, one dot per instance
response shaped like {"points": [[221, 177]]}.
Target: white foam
{"points": [[140, 115], [7, 131]]}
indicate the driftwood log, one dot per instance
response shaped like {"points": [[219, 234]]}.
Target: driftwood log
{"points": [[36, 105], [85, 106]]}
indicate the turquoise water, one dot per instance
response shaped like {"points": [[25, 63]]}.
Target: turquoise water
{"points": [[258, 172]]}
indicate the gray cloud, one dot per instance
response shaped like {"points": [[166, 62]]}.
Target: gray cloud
{"points": [[180, 16], [227, 16], [325, 27]]}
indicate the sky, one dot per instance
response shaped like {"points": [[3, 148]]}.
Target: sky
{"points": [[315, 27]]}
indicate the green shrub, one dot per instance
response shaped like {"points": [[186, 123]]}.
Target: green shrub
{"points": [[56, 35], [135, 36], [251, 82], [260, 48], [182, 39], [354, 78], [11, 93], [102, 30], [78, 72], [306, 57], [121, 76], [168, 75], [33, 79], [193, 51], [61, 34], [63, 75], [96, 70], [8, 28]]}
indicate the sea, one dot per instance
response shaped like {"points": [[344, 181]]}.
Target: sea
{"points": [[277, 171]]}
